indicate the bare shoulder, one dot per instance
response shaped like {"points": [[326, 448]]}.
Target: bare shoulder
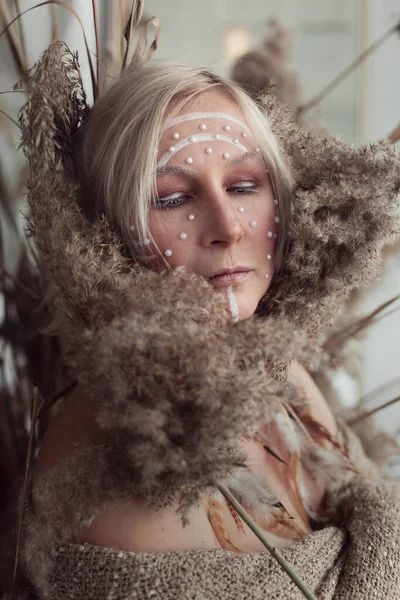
{"points": [[128, 525], [71, 428], [319, 408]]}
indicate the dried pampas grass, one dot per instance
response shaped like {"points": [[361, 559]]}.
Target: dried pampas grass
{"points": [[174, 382], [346, 208]]}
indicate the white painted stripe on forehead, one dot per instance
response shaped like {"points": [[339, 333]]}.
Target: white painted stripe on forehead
{"points": [[200, 137], [206, 115]]}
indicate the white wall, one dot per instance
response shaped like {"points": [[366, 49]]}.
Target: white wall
{"points": [[383, 70], [382, 93], [325, 39]]}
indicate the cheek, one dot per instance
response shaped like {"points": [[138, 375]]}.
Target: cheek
{"points": [[262, 241], [266, 221], [174, 237]]}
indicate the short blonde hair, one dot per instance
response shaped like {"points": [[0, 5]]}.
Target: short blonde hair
{"points": [[116, 159]]}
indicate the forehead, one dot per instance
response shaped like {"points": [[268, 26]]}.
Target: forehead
{"points": [[210, 107], [212, 117], [214, 100]]}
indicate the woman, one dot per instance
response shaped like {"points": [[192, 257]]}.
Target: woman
{"points": [[183, 373]]}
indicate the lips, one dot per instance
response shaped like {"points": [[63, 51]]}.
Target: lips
{"points": [[230, 276]]}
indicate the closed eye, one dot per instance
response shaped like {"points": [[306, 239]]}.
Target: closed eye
{"points": [[171, 201], [174, 200], [243, 188]]}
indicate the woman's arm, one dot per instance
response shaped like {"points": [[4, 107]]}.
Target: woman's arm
{"points": [[122, 524]]}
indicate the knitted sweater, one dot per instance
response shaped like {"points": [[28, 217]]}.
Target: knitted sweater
{"points": [[357, 559]]}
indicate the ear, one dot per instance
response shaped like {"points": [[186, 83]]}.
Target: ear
{"points": [[346, 207]]}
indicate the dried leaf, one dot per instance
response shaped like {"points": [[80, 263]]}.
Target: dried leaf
{"points": [[214, 515], [135, 16]]}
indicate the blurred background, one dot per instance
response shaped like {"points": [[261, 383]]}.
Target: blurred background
{"points": [[335, 61]]}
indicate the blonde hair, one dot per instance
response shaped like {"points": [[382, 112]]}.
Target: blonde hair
{"points": [[116, 159]]}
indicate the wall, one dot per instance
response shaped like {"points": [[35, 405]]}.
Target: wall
{"points": [[381, 95], [325, 39]]}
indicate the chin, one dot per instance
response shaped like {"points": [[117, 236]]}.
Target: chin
{"points": [[245, 313], [248, 299]]}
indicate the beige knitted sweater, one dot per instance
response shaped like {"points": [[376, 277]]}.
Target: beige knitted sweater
{"points": [[357, 559]]}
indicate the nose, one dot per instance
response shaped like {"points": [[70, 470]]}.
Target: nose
{"points": [[222, 225]]}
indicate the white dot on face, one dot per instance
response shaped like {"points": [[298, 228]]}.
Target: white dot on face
{"points": [[168, 252], [244, 134], [183, 236], [257, 149], [132, 228], [189, 160], [208, 151], [235, 141], [269, 234], [217, 136], [266, 276], [192, 138], [276, 201], [171, 149], [269, 257], [203, 127], [175, 136], [226, 155], [227, 127], [191, 217], [253, 224], [241, 209], [146, 242], [276, 219]]}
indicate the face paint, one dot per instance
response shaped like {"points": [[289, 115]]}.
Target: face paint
{"points": [[195, 116], [233, 305], [198, 139], [210, 174]]}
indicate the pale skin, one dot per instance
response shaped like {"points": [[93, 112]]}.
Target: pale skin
{"points": [[212, 188]]}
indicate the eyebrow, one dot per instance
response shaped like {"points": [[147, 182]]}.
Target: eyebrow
{"points": [[178, 170], [237, 160], [174, 170]]}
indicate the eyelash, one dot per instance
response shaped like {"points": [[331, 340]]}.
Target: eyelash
{"points": [[168, 203]]}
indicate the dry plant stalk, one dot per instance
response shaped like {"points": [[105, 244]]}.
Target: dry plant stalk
{"points": [[76, 15], [307, 593], [349, 69], [372, 411], [394, 136], [135, 17], [98, 57], [355, 328], [17, 49], [37, 403], [33, 295]]}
